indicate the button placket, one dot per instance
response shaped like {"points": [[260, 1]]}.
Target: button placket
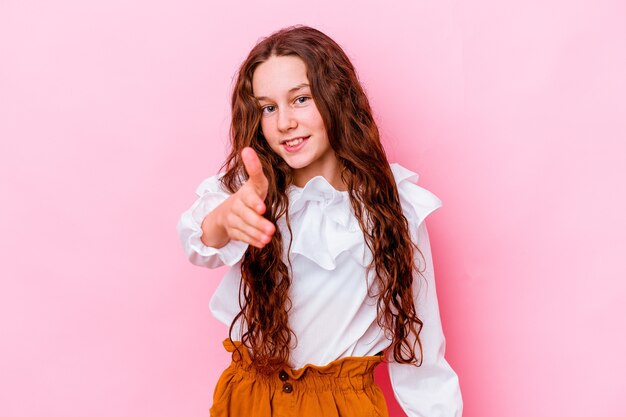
{"points": [[287, 387]]}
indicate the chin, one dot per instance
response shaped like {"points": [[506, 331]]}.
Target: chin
{"points": [[296, 166], [296, 163]]}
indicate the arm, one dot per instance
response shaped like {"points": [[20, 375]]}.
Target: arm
{"points": [[432, 389]]}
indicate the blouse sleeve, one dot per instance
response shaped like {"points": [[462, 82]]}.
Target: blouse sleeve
{"points": [[189, 227], [432, 389]]}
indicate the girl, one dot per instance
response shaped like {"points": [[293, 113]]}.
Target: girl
{"points": [[331, 265]]}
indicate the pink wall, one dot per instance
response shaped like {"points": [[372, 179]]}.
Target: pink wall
{"points": [[112, 112]]}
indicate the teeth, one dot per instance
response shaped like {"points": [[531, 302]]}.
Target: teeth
{"points": [[294, 142]]}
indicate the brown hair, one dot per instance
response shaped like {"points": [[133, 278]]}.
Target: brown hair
{"points": [[374, 198]]}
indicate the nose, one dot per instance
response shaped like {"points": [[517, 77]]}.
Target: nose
{"points": [[286, 119]]}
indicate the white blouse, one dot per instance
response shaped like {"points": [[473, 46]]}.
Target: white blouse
{"points": [[332, 315]]}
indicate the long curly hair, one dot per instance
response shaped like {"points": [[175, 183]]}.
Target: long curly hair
{"points": [[354, 137]]}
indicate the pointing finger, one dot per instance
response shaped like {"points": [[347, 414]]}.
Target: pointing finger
{"points": [[254, 169]]}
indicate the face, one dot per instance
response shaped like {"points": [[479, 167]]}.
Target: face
{"points": [[291, 123]]}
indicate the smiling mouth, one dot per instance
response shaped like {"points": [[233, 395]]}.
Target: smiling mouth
{"points": [[294, 141]]}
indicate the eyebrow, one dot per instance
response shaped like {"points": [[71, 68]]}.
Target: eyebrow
{"points": [[296, 88]]}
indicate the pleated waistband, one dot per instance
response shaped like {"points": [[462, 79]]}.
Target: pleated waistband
{"points": [[352, 372]]}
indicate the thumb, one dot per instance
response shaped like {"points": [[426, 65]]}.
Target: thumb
{"points": [[253, 167]]}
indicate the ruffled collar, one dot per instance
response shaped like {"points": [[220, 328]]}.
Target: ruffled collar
{"points": [[324, 225], [321, 192], [318, 189]]}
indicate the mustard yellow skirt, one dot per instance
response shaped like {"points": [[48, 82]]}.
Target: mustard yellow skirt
{"points": [[343, 388]]}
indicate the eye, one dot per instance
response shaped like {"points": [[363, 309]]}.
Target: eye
{"points": [[268, 109], [302, 99]]}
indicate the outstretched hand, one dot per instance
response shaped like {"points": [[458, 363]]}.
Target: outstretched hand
{"points": [[243, 212]]}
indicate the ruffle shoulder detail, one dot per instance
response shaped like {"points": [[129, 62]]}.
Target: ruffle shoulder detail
{"points": [[211, 194], [417, 202]]}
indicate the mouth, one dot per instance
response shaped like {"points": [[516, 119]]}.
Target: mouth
{"points": [[294, 141], [295, 144]]}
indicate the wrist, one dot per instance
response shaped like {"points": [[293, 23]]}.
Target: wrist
{"points": [[214, 232]]}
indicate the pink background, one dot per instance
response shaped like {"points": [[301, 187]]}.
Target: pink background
{"points": [[113, 112]]}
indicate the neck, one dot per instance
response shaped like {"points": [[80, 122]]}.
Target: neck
{"points": [[330, 171]]}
